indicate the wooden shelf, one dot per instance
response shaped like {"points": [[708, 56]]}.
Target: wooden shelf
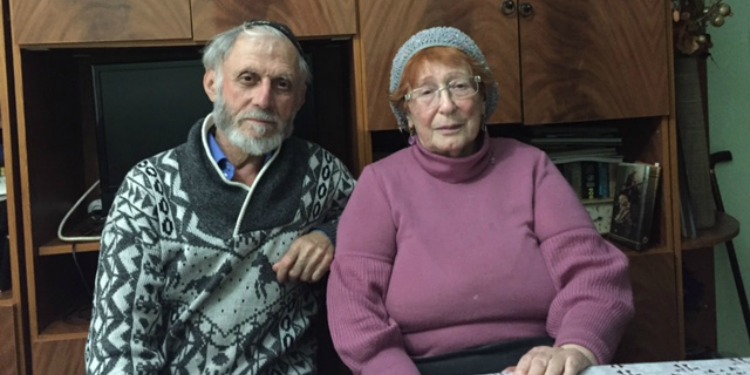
{"points": [[6, 298], [726, 228], [65, 330], [653, 250], [57, 247]]}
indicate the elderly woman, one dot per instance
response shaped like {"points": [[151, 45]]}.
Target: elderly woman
{"points": [[465, 254]]}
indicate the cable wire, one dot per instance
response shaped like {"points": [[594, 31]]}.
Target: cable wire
{"points": [[70, 212]]}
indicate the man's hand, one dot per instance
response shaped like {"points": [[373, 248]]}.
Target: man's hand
{"points": [[307, 259], [569, 359]]}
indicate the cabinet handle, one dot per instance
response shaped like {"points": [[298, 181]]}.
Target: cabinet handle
{"points": [[526, 10], [508, 7]]}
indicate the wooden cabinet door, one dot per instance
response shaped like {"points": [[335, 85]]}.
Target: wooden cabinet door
{"points": [[306, 18], [593, 60], [387, 24], [93, 21]]}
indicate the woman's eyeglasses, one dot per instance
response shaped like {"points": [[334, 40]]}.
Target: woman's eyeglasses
{"points": [[428, 96]]}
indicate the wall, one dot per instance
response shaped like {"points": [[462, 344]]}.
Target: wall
{"points": [[729, 119]]}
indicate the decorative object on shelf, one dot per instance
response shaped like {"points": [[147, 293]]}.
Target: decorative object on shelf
{"points": [[692, 19], [600, 211], [635, 198]]}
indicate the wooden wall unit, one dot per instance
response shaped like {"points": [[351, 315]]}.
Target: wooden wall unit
{"points": [[567, 62], [88, 21]]}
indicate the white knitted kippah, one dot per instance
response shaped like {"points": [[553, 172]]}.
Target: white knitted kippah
{"points": [[440, 37]]}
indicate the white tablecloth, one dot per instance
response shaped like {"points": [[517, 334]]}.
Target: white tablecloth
{"points": [[723, 366]]}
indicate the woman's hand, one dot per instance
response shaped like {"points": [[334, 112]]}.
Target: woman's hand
{"points": [[569, 359]]}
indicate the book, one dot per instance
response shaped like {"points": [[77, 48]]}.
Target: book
{"points": [[590, 180], [634, 202]]}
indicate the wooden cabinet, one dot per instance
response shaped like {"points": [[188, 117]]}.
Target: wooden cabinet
{"points": [[555, 61], [307, 19], [98, 21], [165, 21]]}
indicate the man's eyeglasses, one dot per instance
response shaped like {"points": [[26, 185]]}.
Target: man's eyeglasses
{"points": [[428, 96], [278, 26]]}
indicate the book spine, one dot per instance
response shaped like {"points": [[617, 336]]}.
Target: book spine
{"points": [[603, 180], [589, 175]]}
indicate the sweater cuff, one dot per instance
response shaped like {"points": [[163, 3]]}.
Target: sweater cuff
{"points": [[329, 229]]}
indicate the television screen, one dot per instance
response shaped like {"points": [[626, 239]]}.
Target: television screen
{"points": [[146, 106], [143, 109]]}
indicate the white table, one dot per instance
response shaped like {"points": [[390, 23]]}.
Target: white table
{"points": [[723, 366]]}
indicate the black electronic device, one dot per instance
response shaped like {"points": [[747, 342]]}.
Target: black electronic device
{"points": [[147, 106], [142, 109]]}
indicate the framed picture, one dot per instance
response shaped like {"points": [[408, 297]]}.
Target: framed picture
{"points": [[634, 201]]}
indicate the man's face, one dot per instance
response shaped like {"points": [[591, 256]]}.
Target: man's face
{"points": [[259, 93]]}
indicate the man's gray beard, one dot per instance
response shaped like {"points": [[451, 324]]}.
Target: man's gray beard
{"points": [[230, 126]]}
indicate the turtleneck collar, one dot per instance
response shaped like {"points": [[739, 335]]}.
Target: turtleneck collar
{"points": [[454, 170]]}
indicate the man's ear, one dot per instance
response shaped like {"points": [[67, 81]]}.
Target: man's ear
{"points": [[209, 84]]}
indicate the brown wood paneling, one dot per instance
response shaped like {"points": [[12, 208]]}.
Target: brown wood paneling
{"points": [[59, 357], [386, 25], [594, 60], [307, 19], [700, 303], [8, 349], [81, 21], [651, 336]]}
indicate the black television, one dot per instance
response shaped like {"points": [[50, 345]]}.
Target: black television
{"points": [[146, 103], [142, 109]]}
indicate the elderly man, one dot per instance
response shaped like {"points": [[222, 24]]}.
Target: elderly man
{"points": [[213, 251]]}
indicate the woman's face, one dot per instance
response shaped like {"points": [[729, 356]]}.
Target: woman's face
{"points": [[447, 125]]}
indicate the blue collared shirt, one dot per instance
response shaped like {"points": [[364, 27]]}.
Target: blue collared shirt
{"points": [[220, 158]]}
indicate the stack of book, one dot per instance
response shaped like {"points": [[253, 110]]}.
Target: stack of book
{"points": [[586, 157]]}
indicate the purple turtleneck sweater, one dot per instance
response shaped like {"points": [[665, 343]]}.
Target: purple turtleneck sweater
{"points": [[436, 255]]}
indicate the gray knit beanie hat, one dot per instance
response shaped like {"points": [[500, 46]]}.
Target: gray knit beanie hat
{"points": [[440, 37]]}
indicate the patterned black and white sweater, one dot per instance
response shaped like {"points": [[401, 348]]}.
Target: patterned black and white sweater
{"points": [[185, 285]]}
